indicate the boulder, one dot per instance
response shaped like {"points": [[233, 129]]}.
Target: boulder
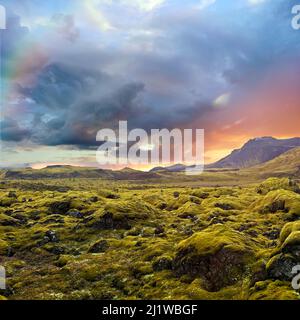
{"points": [[120, 215], [75, 214], [287, 254], [99, 247], [60, 207], [219, 255], [3, 248], [162, 263], [280, 267]]}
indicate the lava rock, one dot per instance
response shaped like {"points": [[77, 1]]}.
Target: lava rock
{"points": [[99, 247], [162, 263], [75, 214]]}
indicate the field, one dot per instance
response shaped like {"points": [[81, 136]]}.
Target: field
{"points": [[177, 237]]}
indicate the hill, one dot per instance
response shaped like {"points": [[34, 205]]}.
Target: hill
{"points": [[287, 164], [256, 151]]}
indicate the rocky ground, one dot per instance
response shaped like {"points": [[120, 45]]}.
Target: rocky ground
{"points": [[93, 239]]}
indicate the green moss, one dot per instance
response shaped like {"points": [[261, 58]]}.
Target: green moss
{"points": [[215, 238], [279, 200], [3, 247], [272, 184], [190, 259], [273, 290], [7, 202], [6, 220], [288, 229], [203, 253], [292, 240]]}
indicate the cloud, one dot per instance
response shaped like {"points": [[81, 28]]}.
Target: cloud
{"points": [[11, 131], [165, 70], [222, 100], [74, 102], [142, 5], [256, 2], [206, 3], [65, 25]]}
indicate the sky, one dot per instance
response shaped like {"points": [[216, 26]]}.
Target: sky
{"points": [[71, 67]]}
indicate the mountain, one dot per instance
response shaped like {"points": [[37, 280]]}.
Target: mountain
{"points": [[256, 151], [174, 168], [287, 164]]}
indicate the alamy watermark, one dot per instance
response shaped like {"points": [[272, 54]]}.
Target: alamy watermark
{"points": [[2, 278], [136, 147], [296, 279], [2, 17], [296, 18]]}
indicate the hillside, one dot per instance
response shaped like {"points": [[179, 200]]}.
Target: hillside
{"points": [[287, 164], [69, 172], [257, 151]]}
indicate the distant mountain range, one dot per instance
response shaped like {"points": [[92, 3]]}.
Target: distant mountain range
{"points": [[265, 156], [254, 152], [69, 172]]}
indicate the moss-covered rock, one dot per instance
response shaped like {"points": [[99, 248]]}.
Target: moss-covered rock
{"points": [[121, 215], [218, 254], [3, 248], [272, 184], [162, 263], [60, 207], [280, 267], [279, 200], [273, 290], [288, 229], [288, 253], [99, 246], [6, 220]]}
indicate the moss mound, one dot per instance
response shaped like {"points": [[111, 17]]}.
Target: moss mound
{"points": [[280, 266], [269, 290], [272, 184], [121, 215], [218, 254], [288, 229], [279, 200], [3, 247]]}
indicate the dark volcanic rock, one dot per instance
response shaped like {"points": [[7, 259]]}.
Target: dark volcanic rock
{"points": [[51, 236], [75, 214], [272, 234], [60, 207], [109, 221], [274, 207], [99, 247], [162, 263], [224, 206], [280, 267]]}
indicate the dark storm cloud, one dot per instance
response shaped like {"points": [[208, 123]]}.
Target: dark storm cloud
{"points": [[11, 131], [59, 86], [81, 102]]}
